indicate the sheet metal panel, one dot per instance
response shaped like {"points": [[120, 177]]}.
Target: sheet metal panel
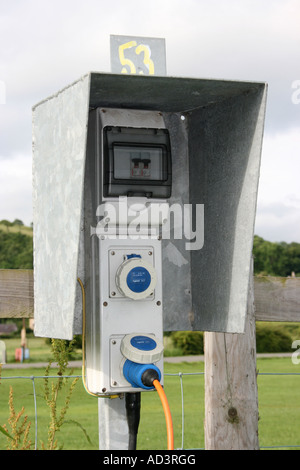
{"points": [[216, 160], [224, 175], [59, 145]]}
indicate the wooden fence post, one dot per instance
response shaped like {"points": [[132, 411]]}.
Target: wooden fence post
{"points": [[231, 400]]}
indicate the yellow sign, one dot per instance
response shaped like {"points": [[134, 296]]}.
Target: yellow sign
{"points": [[138, 56], [127, 63]]}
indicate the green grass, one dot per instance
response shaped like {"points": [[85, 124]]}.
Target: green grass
{"points": [[279, 408], [39, 349], [83, 409], [152, 430], [83, 412], [279, 405]]}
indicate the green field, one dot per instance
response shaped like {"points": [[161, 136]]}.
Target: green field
{"points": [[279, 408], [39, 349], [17, 229], [279, 405]]}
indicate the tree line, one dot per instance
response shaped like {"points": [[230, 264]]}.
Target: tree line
{"points": [[270, 258], [16, 247], [276, 259]]}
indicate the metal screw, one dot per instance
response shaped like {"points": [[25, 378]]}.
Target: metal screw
{"points": [[150, 253], [112, 253], [115, 383], [103, 390], [114, 341], [105, 304], [113, 294], [158, 302]]}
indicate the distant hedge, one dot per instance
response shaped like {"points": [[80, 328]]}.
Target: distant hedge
{"points": [[272, 339], [190, 342], [276, 259], [269, 339]]}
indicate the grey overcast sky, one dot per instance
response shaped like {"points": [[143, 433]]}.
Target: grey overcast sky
{"points": [[46, 45]]}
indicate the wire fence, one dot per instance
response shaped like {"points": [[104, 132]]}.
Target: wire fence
{"points": [[33, 379], [179, 375], [280, 374]]}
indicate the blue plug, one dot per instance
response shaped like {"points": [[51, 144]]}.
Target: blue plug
{"points": [[138, 374]]}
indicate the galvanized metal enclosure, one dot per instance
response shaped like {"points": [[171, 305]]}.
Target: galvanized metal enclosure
{"points": [[216, 130]]}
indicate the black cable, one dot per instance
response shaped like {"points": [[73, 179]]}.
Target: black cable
{"points": [[133, 409]]}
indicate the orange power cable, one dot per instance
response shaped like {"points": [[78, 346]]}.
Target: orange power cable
{"points": [[167, 412]]}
